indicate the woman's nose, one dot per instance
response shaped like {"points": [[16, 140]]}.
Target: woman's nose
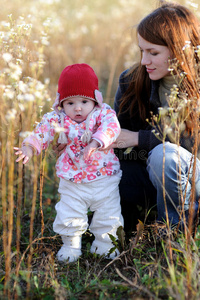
{"points": [[145, 59]]}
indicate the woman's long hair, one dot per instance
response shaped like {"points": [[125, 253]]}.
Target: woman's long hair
{"points": [[176, 27]]}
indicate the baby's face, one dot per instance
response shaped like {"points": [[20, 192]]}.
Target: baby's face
{"points": [[78, 108]]}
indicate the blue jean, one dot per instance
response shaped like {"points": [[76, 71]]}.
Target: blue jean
{"points": [[178, 180]]}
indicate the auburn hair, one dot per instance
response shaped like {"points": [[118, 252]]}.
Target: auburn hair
{"points": [[176, 27]]}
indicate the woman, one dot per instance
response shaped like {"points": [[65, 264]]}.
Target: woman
{"points": [[169, 34]]}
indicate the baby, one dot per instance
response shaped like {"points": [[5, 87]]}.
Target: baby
{"points": [[89, 173]]}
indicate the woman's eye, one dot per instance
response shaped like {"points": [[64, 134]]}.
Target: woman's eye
{"points": [[154, 53]]}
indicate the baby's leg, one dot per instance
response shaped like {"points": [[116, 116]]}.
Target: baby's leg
{"points": [[107, 217], [71, 221]]}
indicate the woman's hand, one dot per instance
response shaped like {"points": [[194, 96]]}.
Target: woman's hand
{"points": [[126, 139], [25, 153]]}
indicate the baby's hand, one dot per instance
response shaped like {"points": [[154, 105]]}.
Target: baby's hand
{"points": [[59, 148], [26, 152], [90, 148]]}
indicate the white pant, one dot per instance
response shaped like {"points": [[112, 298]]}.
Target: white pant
{"points": [[101, 196]]}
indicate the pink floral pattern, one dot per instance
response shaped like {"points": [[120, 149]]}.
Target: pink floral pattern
{"points": [[71, 165]]}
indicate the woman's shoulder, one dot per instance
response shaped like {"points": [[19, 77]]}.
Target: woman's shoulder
{"points": [[127, 75]]}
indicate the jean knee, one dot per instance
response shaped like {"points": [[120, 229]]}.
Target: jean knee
{"points": [[155, 163], [162, 160]]}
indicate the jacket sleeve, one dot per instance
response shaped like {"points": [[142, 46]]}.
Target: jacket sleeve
{"points": [[148, 139], [43, 134], [108, 126]]}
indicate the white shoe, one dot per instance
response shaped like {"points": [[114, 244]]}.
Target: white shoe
{"points": [[104, 249], [67, 254], [70, 250]]}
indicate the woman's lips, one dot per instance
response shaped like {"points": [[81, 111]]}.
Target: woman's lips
{"points": [[149, 70]]}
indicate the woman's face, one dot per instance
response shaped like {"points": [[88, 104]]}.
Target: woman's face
{"points": [[155, 58]]}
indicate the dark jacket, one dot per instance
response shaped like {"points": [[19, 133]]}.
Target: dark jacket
{"points": [[147, 139]]}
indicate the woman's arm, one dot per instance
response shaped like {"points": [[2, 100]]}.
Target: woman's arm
{"points": [[127, 138]]}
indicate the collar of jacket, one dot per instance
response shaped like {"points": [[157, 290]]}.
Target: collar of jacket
{"points": [[154, 96]]}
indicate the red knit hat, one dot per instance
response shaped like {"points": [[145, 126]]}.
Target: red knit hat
{"points": [[77, 80]]}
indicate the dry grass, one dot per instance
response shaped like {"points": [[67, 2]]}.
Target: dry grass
{"points": [[37, 40]]}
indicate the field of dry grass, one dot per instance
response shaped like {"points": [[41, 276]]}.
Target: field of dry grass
{"points": [[37, 40]]}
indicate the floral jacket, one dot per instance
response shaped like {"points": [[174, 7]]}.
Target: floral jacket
{"points": [[70, 165]]}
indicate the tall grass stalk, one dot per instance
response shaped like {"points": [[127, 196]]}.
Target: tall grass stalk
{"points": [[165, 203], [10, 199], [34, 197], [116, 57], [42, 165], [20, 195]]}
